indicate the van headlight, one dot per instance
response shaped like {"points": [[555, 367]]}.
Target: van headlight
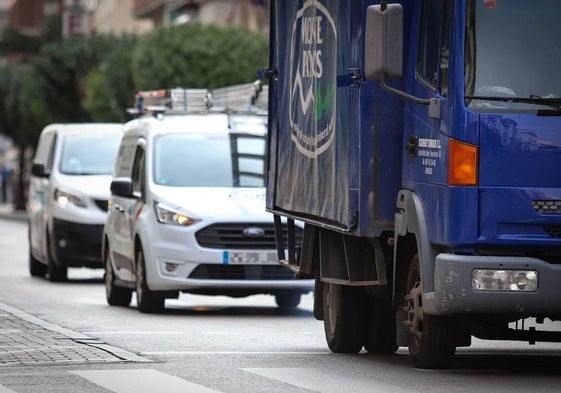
{"points": [[63, 198], [168, 215]]}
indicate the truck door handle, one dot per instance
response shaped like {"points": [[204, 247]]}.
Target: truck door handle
{"points": [[412, 146]]}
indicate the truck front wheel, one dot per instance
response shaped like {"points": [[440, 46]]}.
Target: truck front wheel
{"points": [[344, 317], [431, 342]]}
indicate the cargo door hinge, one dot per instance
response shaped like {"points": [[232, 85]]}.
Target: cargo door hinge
{"points": [[353, 78], [267, 73]]}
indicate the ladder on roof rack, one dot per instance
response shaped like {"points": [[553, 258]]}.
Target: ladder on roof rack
{"points": [[244, 98]]}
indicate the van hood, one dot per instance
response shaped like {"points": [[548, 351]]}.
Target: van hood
{"points": [[94, 186], [216, 203]]}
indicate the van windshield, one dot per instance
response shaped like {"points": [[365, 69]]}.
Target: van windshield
{"points": [[513, 50], [89, 154], [209, 160]]}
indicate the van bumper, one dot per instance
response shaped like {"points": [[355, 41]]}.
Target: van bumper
{"points": [[76, 245]]}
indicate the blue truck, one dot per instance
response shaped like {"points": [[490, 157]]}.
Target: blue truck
{"points": [[420, 144]]}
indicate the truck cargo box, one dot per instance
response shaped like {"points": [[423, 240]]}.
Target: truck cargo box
{"points": [[335, 139]]}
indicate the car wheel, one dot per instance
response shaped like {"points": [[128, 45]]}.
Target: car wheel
{"points": [[344, 317], [287, 300], [116, 296], [55, 273], [36, 268], [430, 337], [147, 301]]}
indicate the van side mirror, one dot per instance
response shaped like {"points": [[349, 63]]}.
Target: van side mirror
{"points": [[39, 170], [383, 41], [122, 186]]}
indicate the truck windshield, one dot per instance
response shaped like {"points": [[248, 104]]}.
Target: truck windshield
{"points": [[513, 51], [210, 160]]}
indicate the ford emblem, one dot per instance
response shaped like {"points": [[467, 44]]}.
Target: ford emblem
{"points": [[253, 232]]}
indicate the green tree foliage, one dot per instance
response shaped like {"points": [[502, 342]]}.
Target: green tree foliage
{"points": [[94, 78], [64, 66], [22, 109], [110, 88], [197, 56], [14, 41]]}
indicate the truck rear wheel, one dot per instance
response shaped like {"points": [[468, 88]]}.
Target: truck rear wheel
{"points": [[380, 334], [431, 338], [344, 317]]}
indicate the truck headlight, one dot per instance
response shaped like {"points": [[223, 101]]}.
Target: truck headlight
{"points": [[63, 198], [505, 280], [168, 215]]}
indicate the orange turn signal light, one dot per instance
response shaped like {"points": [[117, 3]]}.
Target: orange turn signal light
{"points": [[462, 164]]}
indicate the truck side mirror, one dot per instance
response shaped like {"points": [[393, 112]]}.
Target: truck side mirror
{"points": [[383, 41]]}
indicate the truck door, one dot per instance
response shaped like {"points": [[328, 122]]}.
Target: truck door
{"points": [[426, 137]]}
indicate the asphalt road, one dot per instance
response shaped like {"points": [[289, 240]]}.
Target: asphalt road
{"points": [[214, 344]]}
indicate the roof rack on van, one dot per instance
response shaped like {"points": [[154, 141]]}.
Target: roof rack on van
{"points": [[244, 98]]}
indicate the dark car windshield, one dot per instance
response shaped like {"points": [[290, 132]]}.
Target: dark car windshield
{"points": [[209, 160], [513, 50], [89, 154]]}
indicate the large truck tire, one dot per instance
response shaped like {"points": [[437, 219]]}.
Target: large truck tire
{"points": [[344, 317], [380, 333], [430, 337]]}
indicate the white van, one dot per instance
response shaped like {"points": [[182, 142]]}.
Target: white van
{"points": [[68, 193], [187, 213]]}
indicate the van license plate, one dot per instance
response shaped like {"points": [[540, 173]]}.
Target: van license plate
{"points": [[249, 258]]}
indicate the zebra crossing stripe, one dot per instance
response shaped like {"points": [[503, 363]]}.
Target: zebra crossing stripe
{"points": [[4, 389], [140, 381]]}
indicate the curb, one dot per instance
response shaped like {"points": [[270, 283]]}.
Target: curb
{"points": [[77, 337]]}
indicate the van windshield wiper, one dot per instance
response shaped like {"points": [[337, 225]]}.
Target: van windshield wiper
{"points": [[553, 102]]}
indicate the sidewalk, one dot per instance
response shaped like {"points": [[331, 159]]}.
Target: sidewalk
{"points": [[8, 212], [27, 340]]}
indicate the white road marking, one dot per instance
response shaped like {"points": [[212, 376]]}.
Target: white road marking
{"points": [[234, 353], [326, 381], [141, 381], [8, 241], [4, 389]]}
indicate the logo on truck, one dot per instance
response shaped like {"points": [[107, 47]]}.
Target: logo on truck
{"points": [[313, 79]]}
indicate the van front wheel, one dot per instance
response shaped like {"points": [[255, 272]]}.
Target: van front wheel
{"points": [[55, 273], [36, 268], [147, 301], [116, 296]]}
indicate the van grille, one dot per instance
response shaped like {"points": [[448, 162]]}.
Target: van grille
{"points": [[241, 272], [102, 204], [231, 236]]}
